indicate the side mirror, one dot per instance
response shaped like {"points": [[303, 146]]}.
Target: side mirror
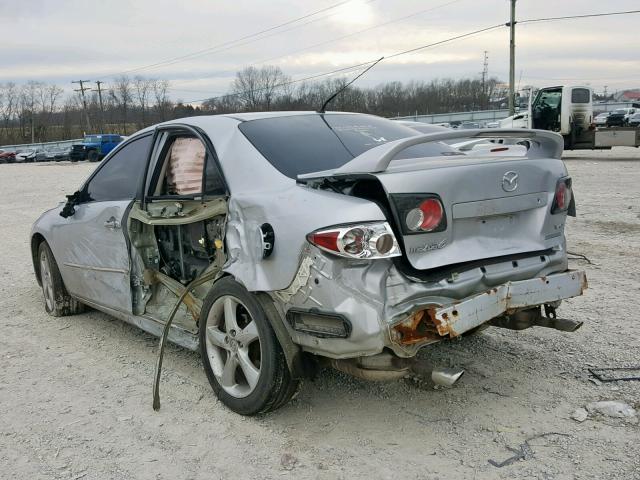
{"points": [[72, 200]]}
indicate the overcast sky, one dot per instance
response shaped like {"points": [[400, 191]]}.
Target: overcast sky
{"points": [[63, 40]]}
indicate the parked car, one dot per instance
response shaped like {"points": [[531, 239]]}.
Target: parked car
{"points": [[519, 120], [7, 156], [470, 125], [422, 127], [620, 117], [600, 120], [299, 240], [94, 147], [58, 154], [31, 155], [634, 120]]}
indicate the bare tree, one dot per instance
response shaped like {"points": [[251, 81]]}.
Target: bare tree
{"points": [[122, 94], [160, 89], [142, 87], [257, 88], [8, 107], [47, 99]]}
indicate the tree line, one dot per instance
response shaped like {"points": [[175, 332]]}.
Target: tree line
{"points": [[41, 112]]}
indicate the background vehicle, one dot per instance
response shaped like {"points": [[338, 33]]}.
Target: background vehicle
{"points": [[620, 117], [31, 155], [568, 110], [519, 120], [379, 243], [423, 127], [58, 153], [634, 120], [469, 125], [7, 156], [601, 119], [94, 147]]}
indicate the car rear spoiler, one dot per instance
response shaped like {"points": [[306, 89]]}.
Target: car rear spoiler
{"points": [[544, 144]]}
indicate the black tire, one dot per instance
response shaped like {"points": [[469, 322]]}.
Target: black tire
{"points": [[274, 386], [57, 301], [93, 156]]}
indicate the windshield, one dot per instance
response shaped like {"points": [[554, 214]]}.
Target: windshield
{"points": [[92, 139], [300, 144]]}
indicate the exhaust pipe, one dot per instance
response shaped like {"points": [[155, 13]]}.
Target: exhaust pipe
{"points": [[446, 377], [443, 376], [385, 367]]}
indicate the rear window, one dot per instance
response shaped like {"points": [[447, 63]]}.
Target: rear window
{"points": [[302, 144], [580, 95]]}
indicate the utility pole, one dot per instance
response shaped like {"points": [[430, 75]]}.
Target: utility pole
{"points": [[485, 74], [98, 83], [82, 89], [512, 58], [605, 92]]}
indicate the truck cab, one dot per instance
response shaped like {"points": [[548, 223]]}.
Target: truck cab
{"points": [[567, 110], [94, 147]]}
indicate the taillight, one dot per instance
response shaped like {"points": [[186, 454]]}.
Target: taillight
{"points": [[419, 213], [562, 197], [367, 240]]}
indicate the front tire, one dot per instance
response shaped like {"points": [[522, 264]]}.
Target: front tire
{"points": [[57, 301], [93, 156], [242, 357]]}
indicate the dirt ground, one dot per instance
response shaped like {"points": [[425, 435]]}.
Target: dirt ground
{"points": [[75, 392]]}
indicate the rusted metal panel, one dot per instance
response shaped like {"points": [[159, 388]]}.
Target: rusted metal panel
{"points": [[460, 317]]}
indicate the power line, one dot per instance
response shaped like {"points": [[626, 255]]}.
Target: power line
{"points": [[223, 44], [422, 47], [573, 17], [420, 12], [352, 67], [360, 31], [289, 82]]}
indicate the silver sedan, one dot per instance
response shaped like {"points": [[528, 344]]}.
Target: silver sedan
{"points": [[277, 243]]}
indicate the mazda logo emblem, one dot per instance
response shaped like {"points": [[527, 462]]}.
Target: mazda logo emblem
{"points": [[510, 181]]}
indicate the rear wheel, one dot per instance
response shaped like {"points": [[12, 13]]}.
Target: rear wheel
{"points": [[242, 358], [57, 301]]}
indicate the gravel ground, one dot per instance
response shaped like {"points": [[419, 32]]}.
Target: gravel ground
{"points": [[75, 392]]}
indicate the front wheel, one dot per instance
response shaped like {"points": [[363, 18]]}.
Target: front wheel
{"points": [[242, 357], [93, 156]]}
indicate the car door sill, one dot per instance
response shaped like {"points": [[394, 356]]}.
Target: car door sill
{"points": [[97, 269], [177, 334]]}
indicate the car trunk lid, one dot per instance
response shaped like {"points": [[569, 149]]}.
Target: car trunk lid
{"points": [[493, 207]]}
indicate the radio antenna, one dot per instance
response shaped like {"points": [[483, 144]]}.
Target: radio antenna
{"points": [[344, 87]]}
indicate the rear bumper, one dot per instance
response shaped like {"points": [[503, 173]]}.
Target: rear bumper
{"points": [[454, 320]]}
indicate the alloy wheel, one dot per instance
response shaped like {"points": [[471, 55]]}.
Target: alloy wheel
{"points": [[233, 346]]}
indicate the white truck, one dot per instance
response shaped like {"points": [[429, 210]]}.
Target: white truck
{"points": [[568, 110]]}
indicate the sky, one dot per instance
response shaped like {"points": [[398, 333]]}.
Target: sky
{"points": [[64, 40]]}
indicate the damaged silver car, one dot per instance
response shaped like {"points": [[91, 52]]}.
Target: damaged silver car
{"points": [[279, 242]]}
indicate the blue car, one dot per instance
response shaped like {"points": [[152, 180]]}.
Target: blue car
{"points": [[94, 147]]}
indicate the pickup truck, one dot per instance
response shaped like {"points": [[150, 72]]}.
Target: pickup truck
{"points": [[94, 147]]}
